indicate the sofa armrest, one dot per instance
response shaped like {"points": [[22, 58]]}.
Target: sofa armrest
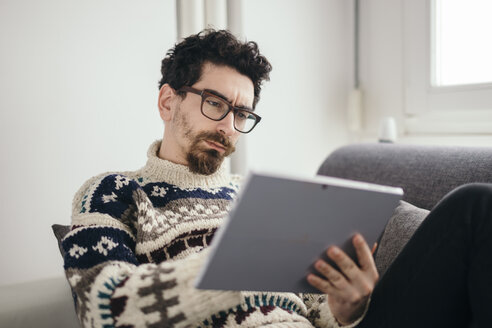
{"points": [[41, 303], [426, 173]]}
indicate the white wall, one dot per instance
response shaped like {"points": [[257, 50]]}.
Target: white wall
{"points": [[79, 89], [303, 106], [381, 61], [78, 83], [382, 75]]}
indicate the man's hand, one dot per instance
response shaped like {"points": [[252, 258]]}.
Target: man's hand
{"points": [[349, 289]]}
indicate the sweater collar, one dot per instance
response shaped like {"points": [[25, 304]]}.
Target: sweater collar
{"points": [[158, 169]]}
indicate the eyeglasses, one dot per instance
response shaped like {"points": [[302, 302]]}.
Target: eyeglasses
{"points": [[216, 108]]}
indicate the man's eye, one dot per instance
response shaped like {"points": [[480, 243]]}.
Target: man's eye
{"points": [[242, 115], [213, 103]]}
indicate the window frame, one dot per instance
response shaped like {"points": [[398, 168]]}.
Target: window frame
{"points": [[457, 109]]}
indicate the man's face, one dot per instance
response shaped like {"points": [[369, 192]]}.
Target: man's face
{"points": [[195, 140]]}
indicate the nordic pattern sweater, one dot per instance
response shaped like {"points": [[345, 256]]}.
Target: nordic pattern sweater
{"points": [[137, 242]]}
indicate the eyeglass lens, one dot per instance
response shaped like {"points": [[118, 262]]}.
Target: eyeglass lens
{"points": [[215, 108]]}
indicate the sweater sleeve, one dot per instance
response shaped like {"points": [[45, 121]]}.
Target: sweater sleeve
{"points": [[110, 287], [320, 315]]}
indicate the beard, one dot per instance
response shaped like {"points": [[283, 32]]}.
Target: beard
{"points": [[200, 158], [203, 160]]}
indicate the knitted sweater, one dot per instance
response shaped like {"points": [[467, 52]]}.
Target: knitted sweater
{"points": [[137, 242]]}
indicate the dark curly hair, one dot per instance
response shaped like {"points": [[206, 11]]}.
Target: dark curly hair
{"points": [[183, 64]]}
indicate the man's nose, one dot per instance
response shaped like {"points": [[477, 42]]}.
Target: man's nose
{"points": [[226, 125]]}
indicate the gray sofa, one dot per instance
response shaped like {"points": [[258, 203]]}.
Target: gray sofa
{"points": [[425, 173]]}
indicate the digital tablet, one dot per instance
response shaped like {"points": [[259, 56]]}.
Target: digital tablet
{"points": [[279, 226]]}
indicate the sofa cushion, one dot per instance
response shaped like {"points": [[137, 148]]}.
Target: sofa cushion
{"points": [[400, 228], [60, 231]]}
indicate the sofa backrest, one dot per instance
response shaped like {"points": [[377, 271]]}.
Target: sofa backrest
{"points": [[426, 173]]}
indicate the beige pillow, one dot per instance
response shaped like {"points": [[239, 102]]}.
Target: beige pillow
{"points": [[400, 228]]}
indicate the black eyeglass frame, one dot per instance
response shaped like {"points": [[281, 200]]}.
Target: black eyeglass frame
{"points": [[204, 94]]}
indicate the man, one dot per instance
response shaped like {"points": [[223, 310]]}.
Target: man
{"points": [[139, 238]]}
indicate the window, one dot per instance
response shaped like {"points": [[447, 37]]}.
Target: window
{"points": [[461, 47], [448, 66]]}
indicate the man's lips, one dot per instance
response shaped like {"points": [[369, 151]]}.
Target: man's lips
{"points": [[220, 148]]}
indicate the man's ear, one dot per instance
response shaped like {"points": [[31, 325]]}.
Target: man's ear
{"points": [[166, 96]]}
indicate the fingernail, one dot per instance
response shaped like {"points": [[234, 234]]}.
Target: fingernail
{"points": [[335, 251]]}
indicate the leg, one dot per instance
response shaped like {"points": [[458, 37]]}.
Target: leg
{"points": [[442, 278]]}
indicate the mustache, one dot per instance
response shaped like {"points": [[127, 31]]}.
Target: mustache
{"points": [[216, 137]]}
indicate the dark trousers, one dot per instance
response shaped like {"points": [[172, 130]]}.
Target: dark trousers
{"points": [[443, 276]]}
